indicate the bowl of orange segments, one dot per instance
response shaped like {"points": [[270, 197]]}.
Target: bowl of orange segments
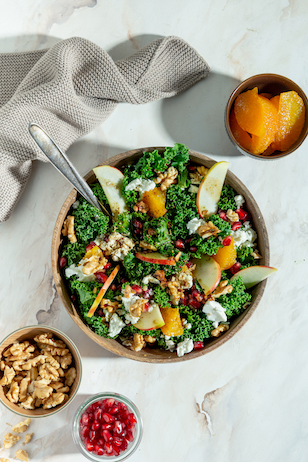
{"points": [[266, 117]]}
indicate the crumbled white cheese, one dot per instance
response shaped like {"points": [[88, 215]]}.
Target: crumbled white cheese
{"points": [[186, 324], [169, 343], [215, 312], [239, 200], [131, 319], [129, 301], [77, 270], [193, 189], [244, 237], [186, 280], [117, 246], [141, 185], [115, 325], [107, 315], [147, 279], [184, 347], [194, 224]]}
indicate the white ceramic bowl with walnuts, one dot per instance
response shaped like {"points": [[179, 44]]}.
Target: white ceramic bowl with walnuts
{"points": [[40, 371]]}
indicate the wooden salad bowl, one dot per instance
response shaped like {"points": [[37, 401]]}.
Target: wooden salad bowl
{"points": [[155, 355]]}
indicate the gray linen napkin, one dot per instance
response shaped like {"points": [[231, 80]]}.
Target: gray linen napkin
{"points": [[71, 88]]}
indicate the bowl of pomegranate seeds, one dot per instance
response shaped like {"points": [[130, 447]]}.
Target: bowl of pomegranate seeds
{"points": [[107, 426], [177, 267]]}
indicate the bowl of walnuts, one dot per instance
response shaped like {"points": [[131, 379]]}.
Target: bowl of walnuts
{"points": [[40, 371]]}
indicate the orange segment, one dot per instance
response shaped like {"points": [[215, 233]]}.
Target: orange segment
{"points": [[242, 137], [249, 112], [173, 324], [226, 256], [260, 143], [155, 199], [291, 119]]}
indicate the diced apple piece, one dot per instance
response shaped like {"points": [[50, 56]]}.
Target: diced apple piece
{"points": [[150, 320], [155, 257], [102, 292], [207, 273], [253, 275], [111, 180], [210, 189]]}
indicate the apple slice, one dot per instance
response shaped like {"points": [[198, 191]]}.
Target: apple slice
{"points": [[103, 290], [210, 189], [150, 320], [155, 257], [254, 274], [207, 273], [111, 180]]}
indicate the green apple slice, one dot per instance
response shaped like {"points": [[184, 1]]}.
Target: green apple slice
{"points": [[150, 320], [210, 189], [207, 273], [254, 274], [111, 180]]}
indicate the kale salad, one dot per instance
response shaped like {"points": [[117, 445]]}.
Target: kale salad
{"points": [[167, 270]]}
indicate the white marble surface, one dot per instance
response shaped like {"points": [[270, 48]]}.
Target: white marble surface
{"points": [[247, 400]]}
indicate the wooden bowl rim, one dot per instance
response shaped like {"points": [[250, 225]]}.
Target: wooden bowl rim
{"points": [[146, 355], [40, 412]]}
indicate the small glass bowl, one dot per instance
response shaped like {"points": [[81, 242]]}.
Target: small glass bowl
{"points": [[132, 446]]}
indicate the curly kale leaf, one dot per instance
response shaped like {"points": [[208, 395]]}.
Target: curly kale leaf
{"points": [[74, 252], [201, 327], [244, 256], [178, 156], [181, 206], [99, 193], [226, 200], [235, 301], [122, 224], [89, 222], [210, 245], [159, 235], [161, 297]]}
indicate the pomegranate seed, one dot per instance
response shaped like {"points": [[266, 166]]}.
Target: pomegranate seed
{"points": [[62, 262], [93, 435], [194, 303], [137, 288], [73, 298], [242, 214], [117, 427], [124, 446], [180, 244], [137, 223], [123, 280], [107, 266], [222, 214], [84, 432], [98, 414], [146, 306], [236, 225], [197, 295], [227, 241], [96, 425], [90, 246], [116, 450], [84, 419], [99, 451], [107, 417], [107, 435], [198, 345], [117, 441], [113, 287], [189, 264], [193, 249], [89, 446], [114, 410], [129, 436], [101, 277], [148, 293], [100, 313], [109, 448], [107, 426], [235, 268], [131, 418], [188, 240], [184, 300], [91, 416]]}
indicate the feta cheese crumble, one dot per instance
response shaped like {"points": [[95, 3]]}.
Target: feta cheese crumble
{"points": [[115, 325], [77, 270], [244, 237], [184, 347], [194, 224], [141, 185], [215, 312], [147, 279], [127, 303], [239, 200], [117, 246]]}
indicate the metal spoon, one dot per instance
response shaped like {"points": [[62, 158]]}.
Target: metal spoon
{"points": [[61, 162]]}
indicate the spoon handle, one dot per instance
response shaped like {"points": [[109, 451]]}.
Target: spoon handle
{"points": [[61, 162]]}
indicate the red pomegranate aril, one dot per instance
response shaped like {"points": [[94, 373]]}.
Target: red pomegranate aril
{"points": [[85, 432], [73, 298], [131, 418], [116, 450], [184, 300], [109, 448], [113, 287], [62, 262], [180, 244], [235, 268], [107, 426], [193, 249], [123, 433], [189, 264], [117, 427], [99, 450], [148, 293], [129, 436], [137, 288], [98, 414], [93, 435], [236, 225], [194, 303], [146, 306], [223, 215], [101, 277], [137, 223], [84, 419], [107, 417], [227, 241], [107, 266], [242, 214], [107, 435], [89, 446], [90, 246], [117, 441], [96, 425], [114, 410], [91, 416], [198, 345], [195, 293]]}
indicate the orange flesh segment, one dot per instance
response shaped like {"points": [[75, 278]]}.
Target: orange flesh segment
{"points": [[155, 199], [291, 119], [226, 256], [260, 143], [173, 324], [248, 109], [241, 136]]}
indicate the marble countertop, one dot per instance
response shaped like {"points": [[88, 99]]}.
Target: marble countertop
{"points": [[247, 400]]}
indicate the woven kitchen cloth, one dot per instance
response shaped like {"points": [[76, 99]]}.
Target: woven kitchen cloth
{"points": [[71, 88]]}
